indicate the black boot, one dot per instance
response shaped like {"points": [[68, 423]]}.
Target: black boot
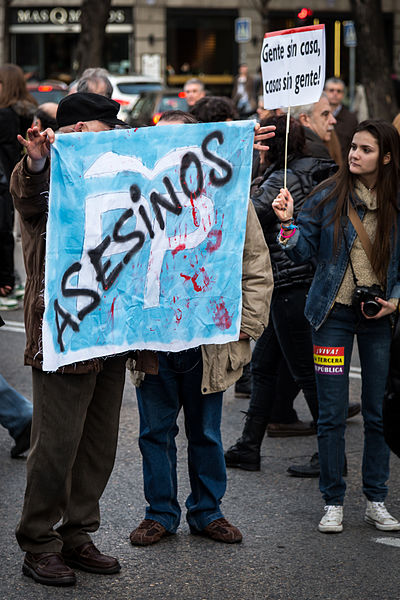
{"points": [[311, 469], [245, 454]]}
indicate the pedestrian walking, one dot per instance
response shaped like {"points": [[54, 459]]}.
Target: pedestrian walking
{"points": [[17, 108], [350, 228]]}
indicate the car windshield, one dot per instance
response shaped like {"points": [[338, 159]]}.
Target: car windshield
{"points": [[172, 103], [48, 96], [137, 88]]}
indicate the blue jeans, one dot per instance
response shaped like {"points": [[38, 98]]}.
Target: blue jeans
{"points": [[160, 398], [15, 410], [333, 344]]}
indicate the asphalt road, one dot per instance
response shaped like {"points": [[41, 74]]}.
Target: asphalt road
{"points": [[282, 557]]}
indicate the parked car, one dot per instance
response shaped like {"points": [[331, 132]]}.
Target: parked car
{"points": [[150, 105], [47, 91], [127, 89]]}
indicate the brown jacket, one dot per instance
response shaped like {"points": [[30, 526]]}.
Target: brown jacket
{"points": [[30, 192], [223, 363]]}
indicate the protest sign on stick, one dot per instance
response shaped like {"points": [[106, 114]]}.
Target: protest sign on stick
{"points": [[145, 239], [293, 69], [293, 66]]}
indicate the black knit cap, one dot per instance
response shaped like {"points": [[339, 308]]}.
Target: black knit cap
{"points": [[87, 107]]}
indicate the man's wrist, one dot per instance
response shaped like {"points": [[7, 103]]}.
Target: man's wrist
{"points": [[35, 166]]}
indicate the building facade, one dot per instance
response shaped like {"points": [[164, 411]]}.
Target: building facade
{"points": [[173, 39]]}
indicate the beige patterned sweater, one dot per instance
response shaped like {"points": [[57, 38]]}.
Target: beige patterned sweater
{"points": [[361, 265]]}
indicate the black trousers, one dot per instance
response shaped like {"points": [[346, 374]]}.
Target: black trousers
{"points": [[288, 333]]}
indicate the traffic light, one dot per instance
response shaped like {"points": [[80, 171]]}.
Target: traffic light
{"points": [[304, 16]]}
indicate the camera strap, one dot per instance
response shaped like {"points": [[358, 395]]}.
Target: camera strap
{"points": [[362, 234]]}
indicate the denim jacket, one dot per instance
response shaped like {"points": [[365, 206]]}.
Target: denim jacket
{"points": [[314, 239]]}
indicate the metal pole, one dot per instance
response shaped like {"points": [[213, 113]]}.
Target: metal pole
{"points": [[336, 68], [352, 75]]}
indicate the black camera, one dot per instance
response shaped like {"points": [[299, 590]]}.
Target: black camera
{"points": [[367, 294]]}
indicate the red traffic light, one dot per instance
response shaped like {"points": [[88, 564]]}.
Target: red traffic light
{"points": [[304, 13]]}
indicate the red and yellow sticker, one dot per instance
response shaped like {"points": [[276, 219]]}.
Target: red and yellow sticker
{"points": [[329, 360]]}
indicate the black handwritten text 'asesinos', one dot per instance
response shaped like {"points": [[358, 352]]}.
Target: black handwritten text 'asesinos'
{"points": [[107, 277]]}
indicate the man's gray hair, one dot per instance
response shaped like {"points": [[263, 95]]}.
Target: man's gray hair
{"points": [[335, 80], [91, 78], [304, 109], [194, 81]]}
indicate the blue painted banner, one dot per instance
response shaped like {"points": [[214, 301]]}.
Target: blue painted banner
{"points": [[145, 239]]}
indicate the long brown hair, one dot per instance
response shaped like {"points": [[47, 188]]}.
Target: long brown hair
{"points": [[13, 87], [387, 190]]}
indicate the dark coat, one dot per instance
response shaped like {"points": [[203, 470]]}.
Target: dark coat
{"points": [[30, 192], [303, 174], [391, 403]]}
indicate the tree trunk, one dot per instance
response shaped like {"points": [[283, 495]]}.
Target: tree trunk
{"points": [[90, 49], [373, 59]]}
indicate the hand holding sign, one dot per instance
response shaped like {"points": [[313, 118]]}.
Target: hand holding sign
{"points": [[37, 147], [283, 205], [262, 133]]}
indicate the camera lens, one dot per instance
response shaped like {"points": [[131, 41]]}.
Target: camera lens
{"points": [[371, 308]]}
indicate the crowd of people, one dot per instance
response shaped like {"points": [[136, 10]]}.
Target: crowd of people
{"points": [[320, 267]]}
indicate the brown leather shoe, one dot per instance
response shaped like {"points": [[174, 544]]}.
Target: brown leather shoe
{"points": [[220, 530], [48, 568], [290, 429], [148, 532], [88, 558]]}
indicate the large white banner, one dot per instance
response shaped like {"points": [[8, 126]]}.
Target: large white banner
{"points": [[293, 66]]}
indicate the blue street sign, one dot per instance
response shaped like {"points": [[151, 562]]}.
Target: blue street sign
{"points": [[349, 33], [242, 30]]}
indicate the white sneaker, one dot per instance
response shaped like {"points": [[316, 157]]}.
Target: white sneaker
{"points": [[8, 303], [377, 514], [331, 522]]}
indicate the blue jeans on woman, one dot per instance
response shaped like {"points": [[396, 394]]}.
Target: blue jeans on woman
{"points": [[160, 398], [333, 344], [15, 410]]}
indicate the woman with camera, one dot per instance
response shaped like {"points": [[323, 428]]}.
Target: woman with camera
{"points": [[350, 225]]}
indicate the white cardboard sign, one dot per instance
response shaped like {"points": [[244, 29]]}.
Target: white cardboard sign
{"points": [[293, 66]]}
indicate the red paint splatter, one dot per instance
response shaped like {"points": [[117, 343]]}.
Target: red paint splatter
{"points": [[112, 311], [178, 315], [194, 211], [213, 246], [221, 317], [178, 248], [193, 279]]}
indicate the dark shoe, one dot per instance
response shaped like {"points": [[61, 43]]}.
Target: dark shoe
{"points": [[148, 532], [311, 469], [88, 558], [290, 429], [220, 530], [243, 385], [353, 410], [48, 568], [245, 454], [22, 442]]}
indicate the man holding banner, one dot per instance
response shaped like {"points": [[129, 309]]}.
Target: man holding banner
{"points": [[76, 409], [195, 380]]}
